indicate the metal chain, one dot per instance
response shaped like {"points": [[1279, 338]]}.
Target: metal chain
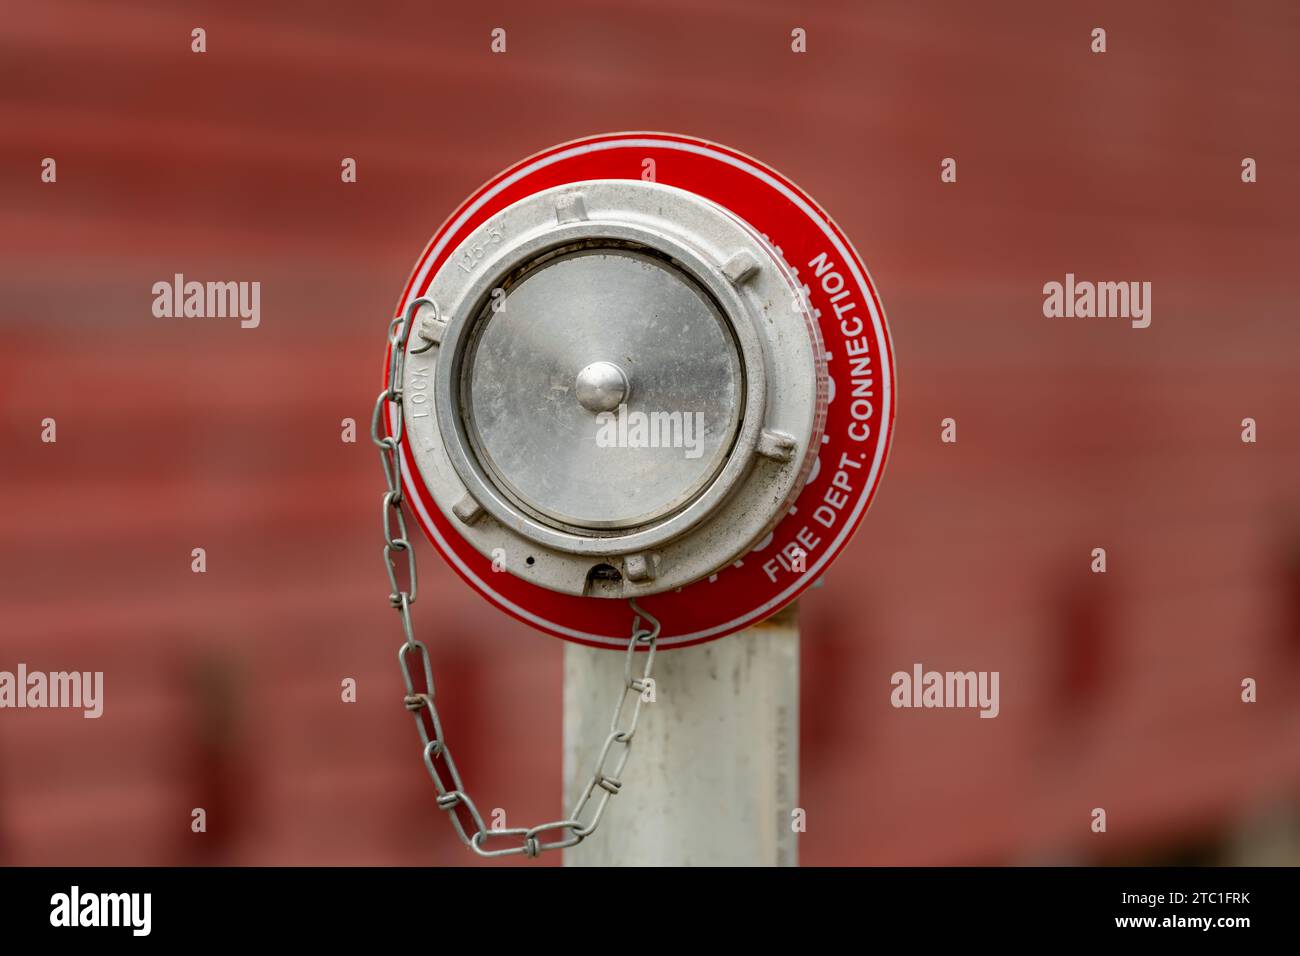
{"points": [[464, 814]]}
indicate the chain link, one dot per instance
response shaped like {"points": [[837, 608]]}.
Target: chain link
{"points": [[606, 778]]}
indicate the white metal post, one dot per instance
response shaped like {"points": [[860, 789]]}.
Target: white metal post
{"points": [[714, 769]]}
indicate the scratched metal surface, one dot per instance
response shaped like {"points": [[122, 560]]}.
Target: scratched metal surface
{"points": [[223, 688]]}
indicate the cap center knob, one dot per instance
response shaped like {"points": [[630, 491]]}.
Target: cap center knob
{"points": [[602, 387]]}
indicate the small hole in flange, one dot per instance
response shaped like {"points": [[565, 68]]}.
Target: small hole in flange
{"points": [[529, 561]]}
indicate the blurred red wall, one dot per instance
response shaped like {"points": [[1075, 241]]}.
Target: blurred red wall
{"points": [[1119, 690]]}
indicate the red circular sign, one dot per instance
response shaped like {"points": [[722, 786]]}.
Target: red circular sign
{"points": [[859, 416]]}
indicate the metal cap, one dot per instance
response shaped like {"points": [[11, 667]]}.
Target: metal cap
{"points": [[626, 387], [549, 401]]}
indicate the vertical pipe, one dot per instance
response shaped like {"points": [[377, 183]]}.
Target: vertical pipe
{"points": [[714, 770]]}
